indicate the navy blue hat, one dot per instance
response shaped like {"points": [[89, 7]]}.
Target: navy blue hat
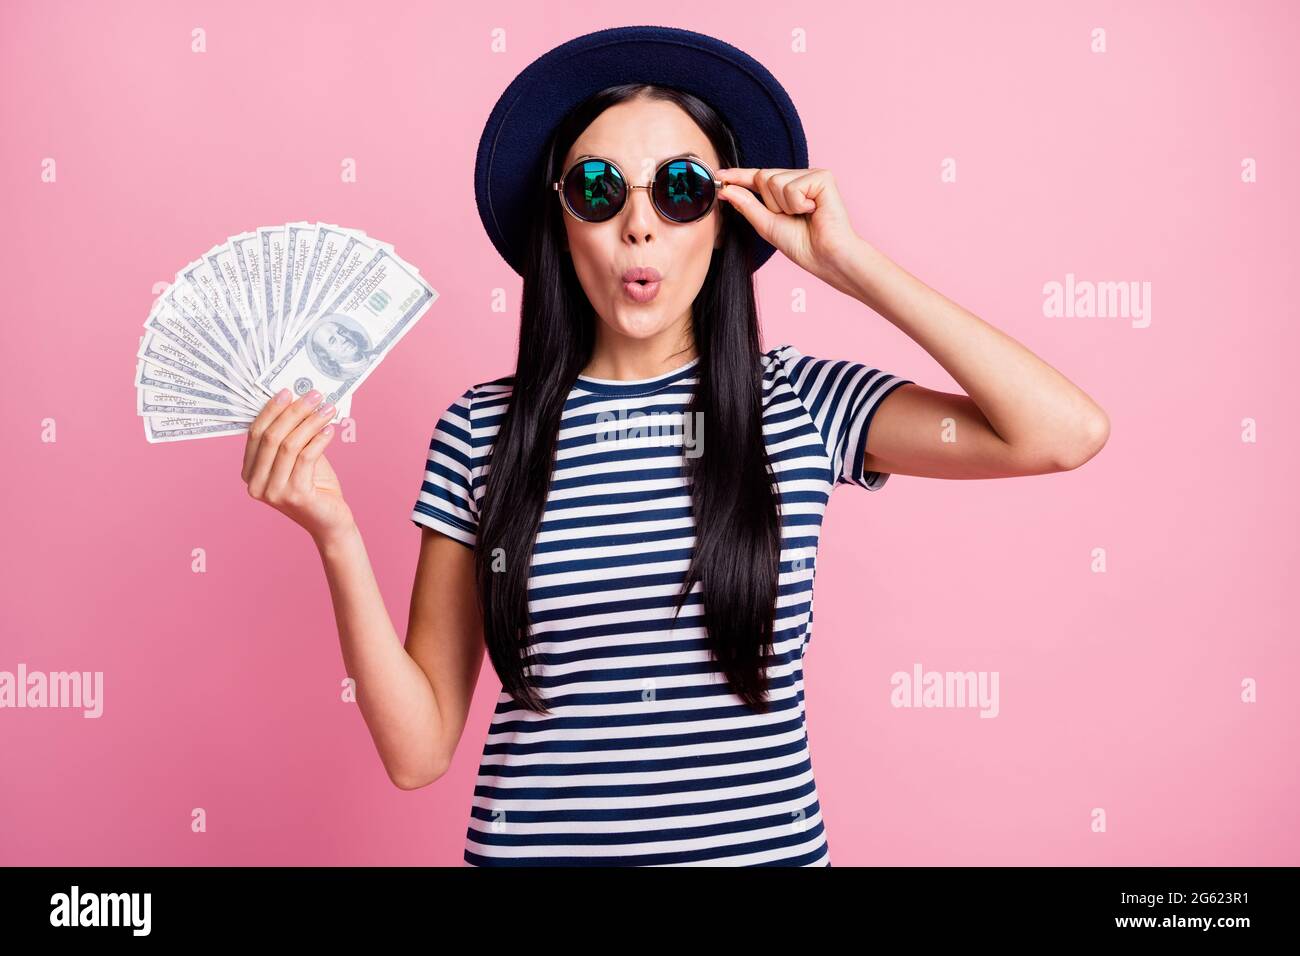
{"points": [[759, 111]]}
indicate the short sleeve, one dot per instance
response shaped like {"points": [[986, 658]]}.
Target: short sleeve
{"points": [[446, 499], [842, 398]]}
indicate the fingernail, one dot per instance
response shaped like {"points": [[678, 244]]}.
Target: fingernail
{"points": [[327, 430], [313, 397], [325, 409], [281, 396]]}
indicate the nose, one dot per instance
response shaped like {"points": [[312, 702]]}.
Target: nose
{"points": [[640, 217]]}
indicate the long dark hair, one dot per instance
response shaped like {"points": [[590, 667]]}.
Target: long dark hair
{"points": [[737, 523]]}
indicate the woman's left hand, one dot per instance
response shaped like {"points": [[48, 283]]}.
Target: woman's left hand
{"points": [[800, 212]]}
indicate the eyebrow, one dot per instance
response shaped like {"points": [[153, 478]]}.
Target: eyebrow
{"points": [[594, 156]]}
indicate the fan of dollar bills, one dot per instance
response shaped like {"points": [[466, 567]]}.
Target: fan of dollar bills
{"points": [[303, 306]]}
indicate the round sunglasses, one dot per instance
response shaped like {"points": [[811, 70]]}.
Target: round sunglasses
{"points": [[593, 189]]}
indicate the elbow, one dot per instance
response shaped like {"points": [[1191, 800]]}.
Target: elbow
{"points": [[410, 783], [417, 779], [1090, 441]]}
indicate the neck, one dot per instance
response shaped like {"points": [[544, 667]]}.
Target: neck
{"points": [[619, 357]]}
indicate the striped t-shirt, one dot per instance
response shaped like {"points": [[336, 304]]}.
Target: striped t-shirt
{"points": [[647, 758]]}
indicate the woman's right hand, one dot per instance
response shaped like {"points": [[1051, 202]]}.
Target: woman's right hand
{"points": [[284, 465]]}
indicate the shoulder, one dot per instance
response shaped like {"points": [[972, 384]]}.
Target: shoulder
{"points": [[818, 380], [474, 414], [485, 400], [780, 356], [778, 363], [791, 362], [786, 365], [495, 385]]}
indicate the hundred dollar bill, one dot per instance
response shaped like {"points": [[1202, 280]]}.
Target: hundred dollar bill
{"points": [[350, 336], [206, 293], [197, 393], [160, 428], [194, 293], [274, 250], [247, 247], [223, 262], [171, 350], [181, 312], [164, 391], [317, 276], [257, 302], [150, 375], [159, 401], [299, 238], [357, 250]]}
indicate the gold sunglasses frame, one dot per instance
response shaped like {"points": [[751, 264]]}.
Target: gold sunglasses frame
{"points": [[558, 186]]}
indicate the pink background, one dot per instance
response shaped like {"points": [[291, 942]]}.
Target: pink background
{"points": [[1118, 690]]}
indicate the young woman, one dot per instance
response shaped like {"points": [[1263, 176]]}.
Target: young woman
{"points": [[645, 592]]}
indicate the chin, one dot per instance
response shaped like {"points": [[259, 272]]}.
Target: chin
{"points": [[640, 321]]}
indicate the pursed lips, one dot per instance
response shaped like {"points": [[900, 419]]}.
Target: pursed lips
{"points": [[641, 274]]}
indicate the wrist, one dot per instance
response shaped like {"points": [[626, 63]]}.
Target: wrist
{"points": [[859, 270], [337, 540]]}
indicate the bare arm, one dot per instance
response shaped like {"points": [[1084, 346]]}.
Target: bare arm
{"points": [[414, 697], [1020, 416]]}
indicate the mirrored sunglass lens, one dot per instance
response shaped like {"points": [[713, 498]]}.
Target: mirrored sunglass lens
{"points": [[683, 190], [594, 190]]}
